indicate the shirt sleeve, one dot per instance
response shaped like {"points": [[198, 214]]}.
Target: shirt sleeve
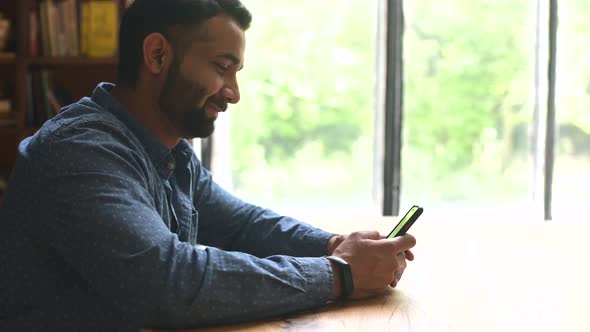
{"points": [[227, 222], [93, 209]]}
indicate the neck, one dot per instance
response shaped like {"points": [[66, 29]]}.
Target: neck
{"points": [[142, 102]]}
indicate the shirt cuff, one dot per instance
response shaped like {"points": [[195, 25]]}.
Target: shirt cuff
{"points": [[320, 278], [321, 241]]}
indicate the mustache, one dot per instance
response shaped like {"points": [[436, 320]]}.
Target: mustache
{"points": [[219, 103]]}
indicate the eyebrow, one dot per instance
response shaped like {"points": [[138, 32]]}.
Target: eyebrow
{"points": [[234, 59]]}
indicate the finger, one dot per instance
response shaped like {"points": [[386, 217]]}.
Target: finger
{"points": [[409, 255], [406, 242], [401, 261], [402, 255], [411, 240], [395, 245], [370, 235], [368, 293], [396, 278]]}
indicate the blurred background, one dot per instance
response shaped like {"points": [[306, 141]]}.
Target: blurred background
{"points": [[306, 138]]}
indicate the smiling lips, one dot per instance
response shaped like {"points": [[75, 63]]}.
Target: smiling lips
{"points": [[212, 109]]}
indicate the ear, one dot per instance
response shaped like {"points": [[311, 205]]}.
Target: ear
{"points": [[156, 52]]}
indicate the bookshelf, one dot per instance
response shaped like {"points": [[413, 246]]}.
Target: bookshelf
{"points": [[69, 61], [73, 65], [7, 58]]}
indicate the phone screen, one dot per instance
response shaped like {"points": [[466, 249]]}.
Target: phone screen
{"points": [[406, 222]]}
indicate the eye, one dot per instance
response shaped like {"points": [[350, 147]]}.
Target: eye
{"points": [[222, 69]]}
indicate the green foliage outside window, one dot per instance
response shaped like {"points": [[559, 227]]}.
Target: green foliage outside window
{"points": [[305, 126]]}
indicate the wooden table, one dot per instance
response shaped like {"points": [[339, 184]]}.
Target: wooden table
{"points": [[467, 277]]}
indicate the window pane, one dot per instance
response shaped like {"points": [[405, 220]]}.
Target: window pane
{"points": [[301, 140], [469, 102], [571, 180]]}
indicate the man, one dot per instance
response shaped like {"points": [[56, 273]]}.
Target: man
{"points": [[107, 201]]}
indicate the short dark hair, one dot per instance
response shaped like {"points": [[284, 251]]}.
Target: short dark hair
{"points": [[144, 17]]}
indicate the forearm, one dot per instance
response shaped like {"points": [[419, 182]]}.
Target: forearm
{"points": [[176, 285], [229, 223], [238, 287], [272, 234]]}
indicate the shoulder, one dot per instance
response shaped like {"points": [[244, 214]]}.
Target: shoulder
{"points": [[82, 131], [84, 117], [83, 122]]}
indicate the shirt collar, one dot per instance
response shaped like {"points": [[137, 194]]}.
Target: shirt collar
{"points": [[160, 155]]}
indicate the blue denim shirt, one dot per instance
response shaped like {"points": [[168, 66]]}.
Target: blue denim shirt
{"points": [[99, 230]]}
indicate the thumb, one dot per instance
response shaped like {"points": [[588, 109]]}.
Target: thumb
{"points": [[368, 235], [397, 244]]}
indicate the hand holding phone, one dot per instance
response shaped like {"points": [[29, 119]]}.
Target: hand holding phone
{"points": [[406, 222]]}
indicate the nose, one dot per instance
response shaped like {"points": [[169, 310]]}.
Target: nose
{"points": [[231, 93]]}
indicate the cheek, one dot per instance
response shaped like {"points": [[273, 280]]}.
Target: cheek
{"points": [[215, 83], [198, 88], [208, 88]]}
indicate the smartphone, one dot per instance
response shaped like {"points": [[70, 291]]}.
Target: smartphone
{"points": [[406, 222]]}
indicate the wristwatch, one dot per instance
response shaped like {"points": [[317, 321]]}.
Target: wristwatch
{"points": [[345, 272]]}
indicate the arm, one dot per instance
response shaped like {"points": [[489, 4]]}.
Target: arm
{"points": [[229, 223], [99, 217]]}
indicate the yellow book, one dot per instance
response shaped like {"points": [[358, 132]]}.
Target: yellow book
{"points": [[84, 22], [102, 28]]}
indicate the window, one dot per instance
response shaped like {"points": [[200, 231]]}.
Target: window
{"points": [[308, 136], [469, 105], [571, 181], [302, 139]]}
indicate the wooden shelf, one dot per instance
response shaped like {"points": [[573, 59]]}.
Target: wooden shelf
{"points": [[7, 58], [29, 131], [41, 61], [77, 76], [9, 131]]}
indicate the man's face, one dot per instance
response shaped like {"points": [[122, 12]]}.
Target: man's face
{"points": [[201, 82]]}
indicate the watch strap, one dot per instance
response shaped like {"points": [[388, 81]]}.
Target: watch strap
{"points": [[345, 272]]}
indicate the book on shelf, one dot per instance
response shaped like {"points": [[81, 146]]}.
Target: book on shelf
{"points": [[5, 32], [5, 106], [7, 118], [45, 97], [4, 177], [3, 185], [74, 28], [7, 55], [34, 31], [101, 27]]}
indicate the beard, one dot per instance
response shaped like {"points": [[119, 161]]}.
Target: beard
{"points": [[178, 101]]}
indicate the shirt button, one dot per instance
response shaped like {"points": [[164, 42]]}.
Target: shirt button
{"points": [[170, 166]]}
